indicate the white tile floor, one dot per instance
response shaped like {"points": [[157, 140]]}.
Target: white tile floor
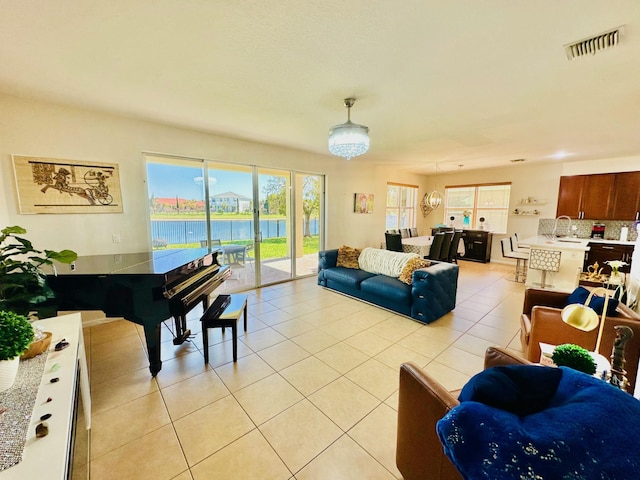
{"points": [[312, 396]]}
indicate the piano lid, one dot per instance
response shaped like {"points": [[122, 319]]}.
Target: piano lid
{"points": [[158, 262]]}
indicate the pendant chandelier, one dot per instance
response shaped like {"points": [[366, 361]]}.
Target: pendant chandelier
{"points": [[432, 200], [348, 139]]}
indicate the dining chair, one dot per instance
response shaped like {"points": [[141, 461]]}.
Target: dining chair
{"points": [[446, 245], [404, 232], [393, 241], [453, 249], [413, 232], [436, 246]]}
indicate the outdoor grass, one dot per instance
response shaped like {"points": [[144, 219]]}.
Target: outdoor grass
{"points": [[269, 248]]}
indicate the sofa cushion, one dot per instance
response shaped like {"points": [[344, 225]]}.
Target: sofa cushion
{"points": [[349, 277], [391, 289], [411, 266], [348, 257], [580, 295], [384, 262]]}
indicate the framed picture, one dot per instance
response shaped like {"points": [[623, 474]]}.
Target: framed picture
{"points": [[49, 185], [363, 203]]}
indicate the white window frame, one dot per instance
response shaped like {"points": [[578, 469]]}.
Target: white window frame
{"points": [[394, 207], [474, 222]]}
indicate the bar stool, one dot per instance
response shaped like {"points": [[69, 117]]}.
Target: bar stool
{"points": [[228, 317], [520, 258], [545, 261]]}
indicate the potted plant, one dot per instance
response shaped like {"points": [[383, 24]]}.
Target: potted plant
{"points": [[16, 334], [574, 356], [23, 284]]}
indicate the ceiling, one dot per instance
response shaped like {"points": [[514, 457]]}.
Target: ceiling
{"points": [[446, 83]]}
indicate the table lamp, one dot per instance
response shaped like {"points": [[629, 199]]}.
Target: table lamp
{"points": [[584, 318]]}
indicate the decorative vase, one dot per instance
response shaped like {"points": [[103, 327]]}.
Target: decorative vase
{"points": [[616, 278], [8, 372]]}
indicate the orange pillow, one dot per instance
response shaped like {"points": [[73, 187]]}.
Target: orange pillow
{"points": [[412, 265], [348, 257]]}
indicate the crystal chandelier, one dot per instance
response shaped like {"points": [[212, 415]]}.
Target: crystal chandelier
{"points": [[348, 139]]}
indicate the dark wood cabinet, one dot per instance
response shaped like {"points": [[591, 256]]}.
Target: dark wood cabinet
{"points": [[626, 197], [604, 196], [477, 245], [602, 252], [586, 196], [570, 196]]}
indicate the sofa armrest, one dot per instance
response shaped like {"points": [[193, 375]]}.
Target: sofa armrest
{"points": [[422, 402], [498, 356], [433, 291], [327, 259], [525, 333]]}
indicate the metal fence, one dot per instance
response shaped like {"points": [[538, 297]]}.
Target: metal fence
{"points": [[192, 231]]}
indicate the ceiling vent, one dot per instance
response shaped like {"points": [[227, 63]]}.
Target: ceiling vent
{"points": [[592, 45]]}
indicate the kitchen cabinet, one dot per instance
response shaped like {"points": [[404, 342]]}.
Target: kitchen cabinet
{"points": [[477, 245], [602, 252], [626, 197], [586, 196]]}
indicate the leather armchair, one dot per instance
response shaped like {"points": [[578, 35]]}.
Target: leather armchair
{"points": [[541, 322], [422, 402]]}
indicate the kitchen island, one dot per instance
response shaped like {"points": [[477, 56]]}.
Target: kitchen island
{"points": [[572, 254]]}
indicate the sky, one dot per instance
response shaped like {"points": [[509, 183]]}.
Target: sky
{"points": [[167, 181]]}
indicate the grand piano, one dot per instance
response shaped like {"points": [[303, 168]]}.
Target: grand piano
{"points": [[144, 288]]}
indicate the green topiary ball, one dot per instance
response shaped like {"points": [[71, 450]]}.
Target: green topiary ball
{"points": [[574, 356], [16, 334]]}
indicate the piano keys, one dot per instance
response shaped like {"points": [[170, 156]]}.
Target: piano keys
{"points": [[144, 288]]}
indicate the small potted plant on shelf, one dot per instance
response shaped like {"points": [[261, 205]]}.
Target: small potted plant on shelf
{"points": [[23, 284], [16, 335], [574, 356]]}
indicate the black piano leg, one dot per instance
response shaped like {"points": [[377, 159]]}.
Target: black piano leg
{"points": [[152, 336]]}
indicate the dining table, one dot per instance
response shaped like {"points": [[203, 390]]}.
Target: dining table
{"points": [[420, 245]]}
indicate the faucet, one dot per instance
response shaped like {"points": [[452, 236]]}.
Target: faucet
{"points": [[555, 226]]}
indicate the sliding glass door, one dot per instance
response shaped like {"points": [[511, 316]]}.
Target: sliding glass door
{"points": [[265, 222]]}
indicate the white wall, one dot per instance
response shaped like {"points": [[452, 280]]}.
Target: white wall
{"points": [[539, 181], [43, 129]]}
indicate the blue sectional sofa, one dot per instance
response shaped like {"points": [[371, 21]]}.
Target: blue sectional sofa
{"points": [[431, 294]]}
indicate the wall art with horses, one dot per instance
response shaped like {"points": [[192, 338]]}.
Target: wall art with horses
{"points": [[49, 185]]}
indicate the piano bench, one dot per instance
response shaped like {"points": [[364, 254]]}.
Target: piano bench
{"points": [[228, 318]]}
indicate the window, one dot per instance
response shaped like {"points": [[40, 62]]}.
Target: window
{"points": [[468, 204], [402, 203]]}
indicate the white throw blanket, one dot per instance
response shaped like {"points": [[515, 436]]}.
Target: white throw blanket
{"points": [[384, 262]]}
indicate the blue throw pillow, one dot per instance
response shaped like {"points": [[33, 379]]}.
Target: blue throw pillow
{"points": [[580, 295], [519, 389]]}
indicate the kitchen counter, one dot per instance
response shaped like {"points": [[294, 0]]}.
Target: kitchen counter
{"points": [[564, 243]]}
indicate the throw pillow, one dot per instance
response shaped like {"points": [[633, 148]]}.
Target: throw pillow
{"points": [[348, 257], [580, 295], [412, 265], [519, 389]]}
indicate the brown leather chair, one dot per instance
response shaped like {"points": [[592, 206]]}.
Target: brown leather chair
{"points": [[422, 402], [541, 322]]}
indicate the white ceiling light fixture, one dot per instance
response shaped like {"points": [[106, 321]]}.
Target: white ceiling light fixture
{"points": [[348, 139]]}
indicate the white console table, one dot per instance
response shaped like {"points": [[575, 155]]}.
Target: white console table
{"points": [[48, 457]]}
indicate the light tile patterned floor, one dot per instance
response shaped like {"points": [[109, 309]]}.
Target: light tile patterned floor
{"points": [[313, 394]]}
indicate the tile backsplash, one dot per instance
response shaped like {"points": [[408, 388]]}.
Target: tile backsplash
{"points": [[611, 232]]}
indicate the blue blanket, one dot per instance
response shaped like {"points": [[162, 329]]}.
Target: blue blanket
{"points": [[588, 430]]}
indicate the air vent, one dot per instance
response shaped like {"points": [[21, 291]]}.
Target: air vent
{"points": [[594, 44]]}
